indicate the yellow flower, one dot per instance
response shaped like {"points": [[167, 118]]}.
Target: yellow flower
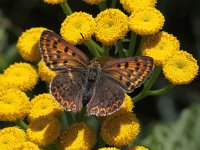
{"points": [[78, 28], [138, 148], [93, 1], [14, 104], [160, 47], [44, 105], [10, 136], [44, 72], [119, 130], [22, 76], [146, 21], [28, 45], [26, 146], [132, 5], [43, 131], [182, 68], [3, 82], [112, 25], [78, 136], [54, 1], [108, 148], [128, 104]]}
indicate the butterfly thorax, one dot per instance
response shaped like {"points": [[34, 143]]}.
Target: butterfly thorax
{"points": [[94, 72]]}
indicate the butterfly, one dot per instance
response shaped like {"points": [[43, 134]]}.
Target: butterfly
{"points": [[80, 83]]}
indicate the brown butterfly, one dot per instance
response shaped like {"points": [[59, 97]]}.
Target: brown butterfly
{"points": [[100, 88]]}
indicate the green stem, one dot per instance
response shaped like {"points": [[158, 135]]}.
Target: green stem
{"points": [[102, 6], [66, 9], [101, 143], [94, 48], [52, 147], [132, 44], [106, 50], [113, 4], [22, 124], [162, 90], [148, 85], [82, 115], [143, 39], [119, 48], [69, 117], [64, 122], [124, 147]]}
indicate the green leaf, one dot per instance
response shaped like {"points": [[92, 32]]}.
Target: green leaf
{"points": [[180, 135], [9, 57], [3, 39]]}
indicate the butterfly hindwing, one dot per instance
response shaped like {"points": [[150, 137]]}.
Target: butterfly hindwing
{"points": [[58, 54], [129, 73], [107, 98], [67, 89]]}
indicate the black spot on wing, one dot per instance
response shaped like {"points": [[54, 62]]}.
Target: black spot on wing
{"points": [[118, 65], [126, 65], [66, 49], [73, 54]]}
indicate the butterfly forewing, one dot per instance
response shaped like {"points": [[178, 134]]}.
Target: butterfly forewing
{"points": [[59, 54], [129, 73]]}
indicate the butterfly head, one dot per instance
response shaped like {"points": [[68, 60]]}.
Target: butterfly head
{"points": [[95, 64]]}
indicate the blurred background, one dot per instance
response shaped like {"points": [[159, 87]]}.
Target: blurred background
{"points": [[170, 121]]}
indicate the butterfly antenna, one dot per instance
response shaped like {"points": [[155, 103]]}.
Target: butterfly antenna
{"points": [[82, 35]]}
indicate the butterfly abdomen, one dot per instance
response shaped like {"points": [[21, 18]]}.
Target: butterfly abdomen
{"points": [[87, 94], [93, 74]]}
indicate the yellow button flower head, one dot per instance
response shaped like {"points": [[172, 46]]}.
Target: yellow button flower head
{"points": [[10, 136], [54, 1], [78, 136], [146, 21], [108, 148], [78, 28], [26, 146], [128, 104], [132, 5], [14, 104], [22, 76], [160, 47], [44, 131], [44, 72], [119, 130], [93, 1], [28, 45], [112, 25], [138, 148], [182, 68], [44, 105]]}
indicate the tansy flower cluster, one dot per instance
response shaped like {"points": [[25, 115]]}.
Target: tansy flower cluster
{"points": [[41, 123], [179, 67], [14, 138]]}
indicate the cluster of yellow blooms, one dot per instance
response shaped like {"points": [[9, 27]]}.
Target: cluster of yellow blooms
{"points": [[43, 113], [110, 25]]}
